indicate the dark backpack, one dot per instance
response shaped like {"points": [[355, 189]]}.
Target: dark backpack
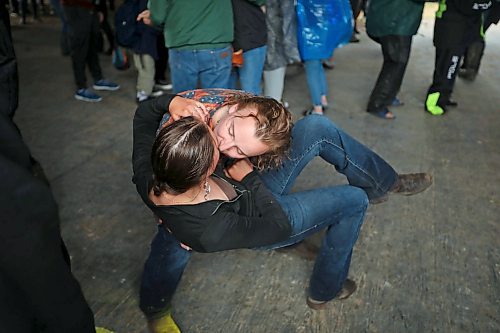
{"points": [[126, 25]]}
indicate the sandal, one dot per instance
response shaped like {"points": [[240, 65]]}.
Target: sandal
{"points": [[397, 102], [384, 114], [311, 111]]}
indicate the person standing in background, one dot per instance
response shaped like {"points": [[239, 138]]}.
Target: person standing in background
{"points": [[454, 20], [38, 291], [392, 24], [83, 23], [281, 23], [198, 35], [250, 36]]}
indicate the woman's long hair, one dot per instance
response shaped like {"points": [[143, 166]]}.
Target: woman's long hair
{"points": [[182, 155]]}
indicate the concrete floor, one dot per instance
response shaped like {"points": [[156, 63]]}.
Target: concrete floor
{"points": [[429, 263]]}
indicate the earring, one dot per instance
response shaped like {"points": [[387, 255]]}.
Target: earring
{"points": [[207, 189]]}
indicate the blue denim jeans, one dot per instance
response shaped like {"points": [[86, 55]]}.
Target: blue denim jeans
{"points": [[250, 74], [316, 80], [338, 209], [211, 67], [162, 273]]}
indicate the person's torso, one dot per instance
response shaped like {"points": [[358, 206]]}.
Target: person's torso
{"points": [[198, 24], [250, 30], [393, 17]]}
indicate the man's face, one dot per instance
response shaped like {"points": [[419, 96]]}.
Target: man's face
{"points": [[235, 134]]}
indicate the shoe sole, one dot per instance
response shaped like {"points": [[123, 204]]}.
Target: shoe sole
{"points": [[157, 93], [164, 87], [105, 88], [85, 99], [347, 290]]}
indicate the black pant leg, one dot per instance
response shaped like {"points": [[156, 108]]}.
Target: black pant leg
{"points": [[93, 51], [106, 27], [162, 62], [79, 36], [396, 52], [445, 72]]}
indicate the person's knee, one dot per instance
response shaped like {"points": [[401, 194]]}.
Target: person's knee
{"points": [[359, 200]]}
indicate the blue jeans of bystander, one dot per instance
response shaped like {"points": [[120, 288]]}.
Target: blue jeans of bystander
{"points": [[211, 67], [316, 80], [250, 74]]}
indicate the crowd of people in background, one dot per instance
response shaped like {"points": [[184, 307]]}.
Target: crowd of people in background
{"points": [[251, 48]]}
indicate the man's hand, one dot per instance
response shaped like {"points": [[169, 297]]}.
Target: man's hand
{"points": [[145, 16], [184, 107], [239, 169]]}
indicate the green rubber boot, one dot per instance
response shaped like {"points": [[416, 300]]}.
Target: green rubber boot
{"points": [[165, 324], [102, 330], [431, 105]]}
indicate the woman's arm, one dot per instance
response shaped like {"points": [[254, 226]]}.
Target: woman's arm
{"points": [[146, 120]]}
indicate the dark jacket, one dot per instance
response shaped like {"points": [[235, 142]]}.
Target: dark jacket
{"points": [[36, 282], [393, 17], [455, 19], [253, 218], [149, 35], [250, 31]]}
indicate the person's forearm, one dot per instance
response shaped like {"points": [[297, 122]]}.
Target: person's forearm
{"points": [[146, 121]]}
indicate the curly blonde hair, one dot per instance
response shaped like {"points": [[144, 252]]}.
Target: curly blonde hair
{"points": [[274, 127]]}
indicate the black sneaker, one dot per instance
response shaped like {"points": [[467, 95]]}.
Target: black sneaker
{"points": [[163, 85]]}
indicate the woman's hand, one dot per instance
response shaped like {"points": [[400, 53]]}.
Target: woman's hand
{"points": [[181, 107], [239, 169], [145, 16]]}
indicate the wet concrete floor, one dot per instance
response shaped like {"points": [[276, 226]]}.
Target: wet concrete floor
{"points": [[428, 263]]}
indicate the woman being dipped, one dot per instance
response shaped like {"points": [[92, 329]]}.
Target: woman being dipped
{"points": [[198, 203]]}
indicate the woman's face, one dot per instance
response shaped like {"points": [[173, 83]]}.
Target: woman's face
{"points": [[216, 152], [235, 134]]}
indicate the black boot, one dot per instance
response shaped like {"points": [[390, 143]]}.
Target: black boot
{"points": [[472, 60]]}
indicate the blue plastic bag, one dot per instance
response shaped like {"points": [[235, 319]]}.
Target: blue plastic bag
{"points": [[322, 26], [119, 59]]}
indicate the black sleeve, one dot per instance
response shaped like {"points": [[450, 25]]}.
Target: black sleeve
{"points": [[146, 121], [265, 223]]}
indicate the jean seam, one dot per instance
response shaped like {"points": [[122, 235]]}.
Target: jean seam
{"points": [[379, 187]]}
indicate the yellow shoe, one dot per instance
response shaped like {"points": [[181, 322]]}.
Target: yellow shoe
{"points": [[102, 330], [165, 324]]}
